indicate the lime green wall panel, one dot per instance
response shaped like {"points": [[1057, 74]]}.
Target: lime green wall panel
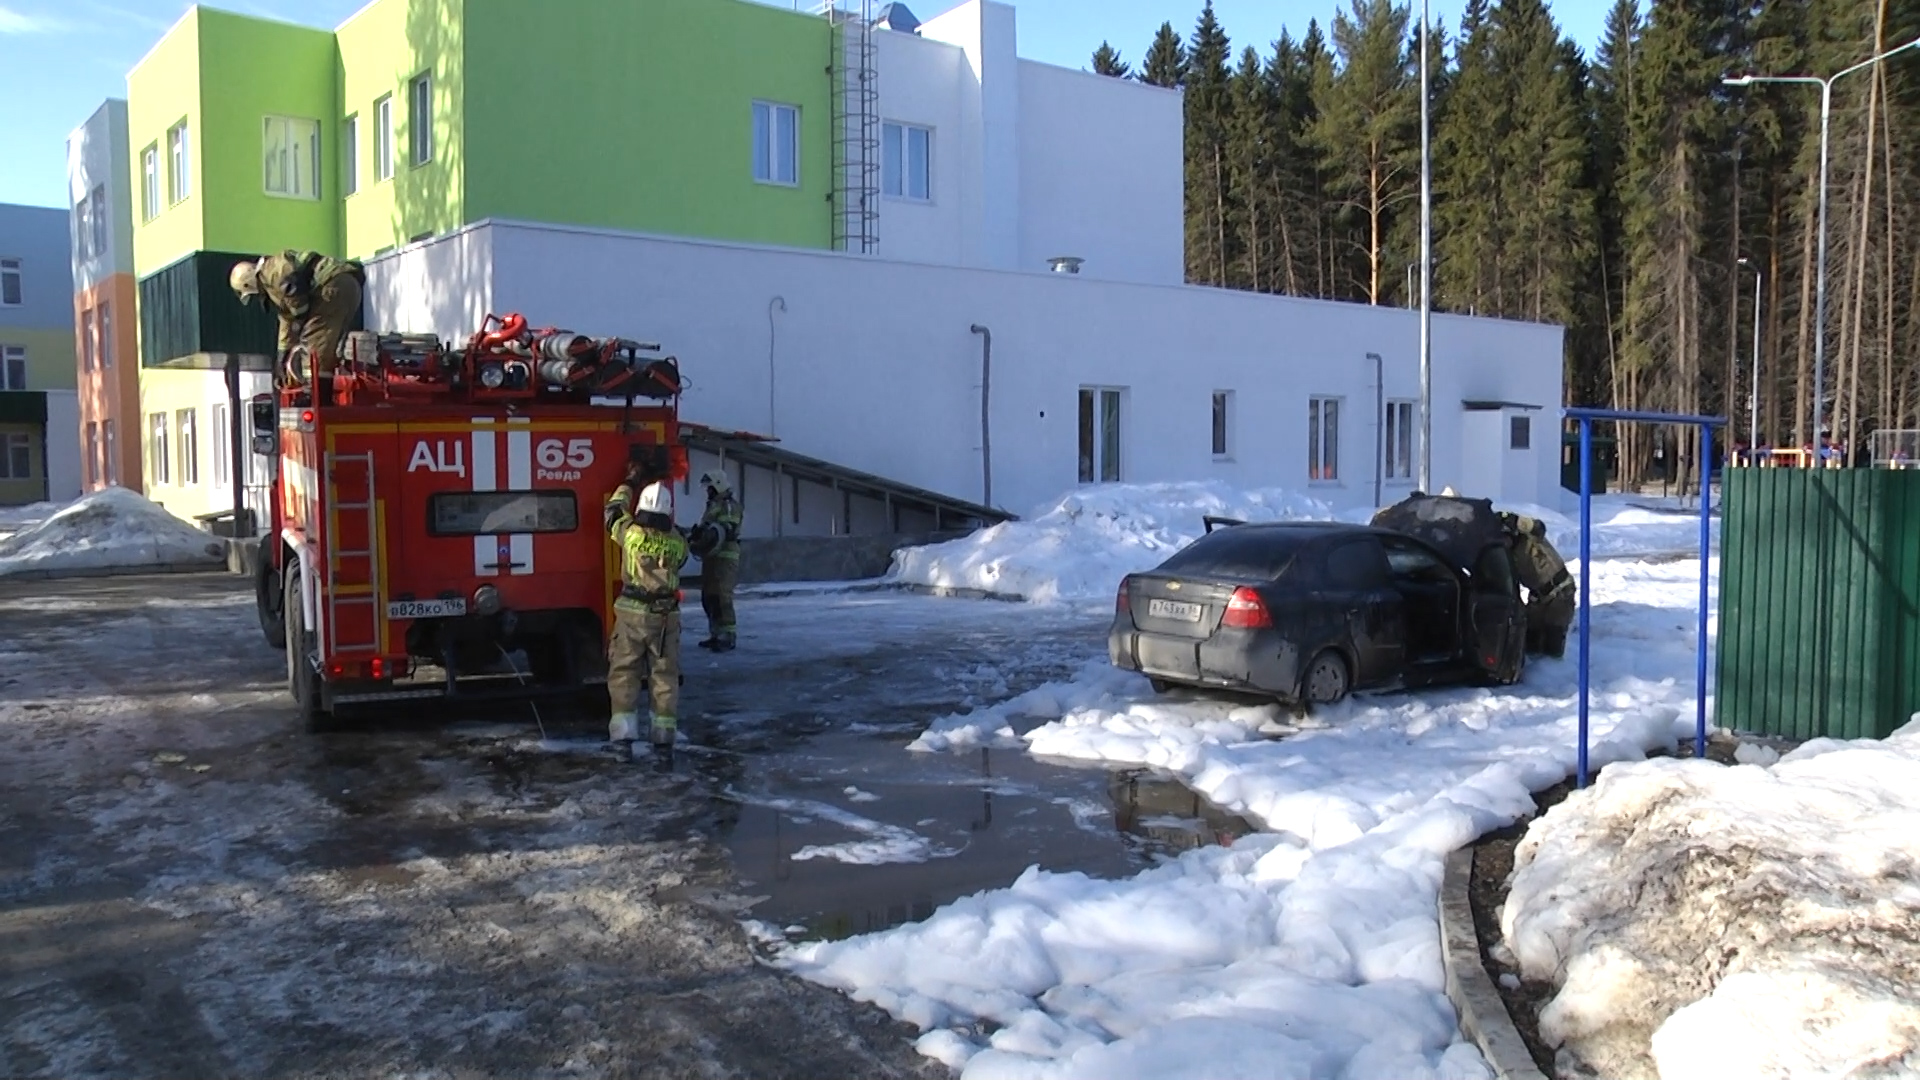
{"points": [[162, 90], [252, 69], [51, 362], [381, 50], [638, 115]]}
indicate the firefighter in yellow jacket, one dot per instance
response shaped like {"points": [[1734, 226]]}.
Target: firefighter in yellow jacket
{"points": [[1551, 592], [718, 537], [646, 615], [315, 298]]}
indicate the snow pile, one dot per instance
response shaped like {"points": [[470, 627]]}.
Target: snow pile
{"points": [[1080, 547], [111, 529], [1710, 921], [1312, 950], [1623, 526]]}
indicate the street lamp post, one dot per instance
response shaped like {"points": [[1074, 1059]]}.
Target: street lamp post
{"points": [[1753, 385], [1426, 268], [1820, 278]]}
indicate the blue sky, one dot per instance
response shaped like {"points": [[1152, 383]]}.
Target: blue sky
{"points": [[63, 57]]}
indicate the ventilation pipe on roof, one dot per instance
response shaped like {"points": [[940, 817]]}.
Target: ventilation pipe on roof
{"points": [[986, 435], [1065, 264]]}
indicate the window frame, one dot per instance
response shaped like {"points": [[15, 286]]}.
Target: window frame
{"points": [[159, 454], [222, 444], [383, 138], [1323, 453], [350, 155], [1101, 434], [150, 205], [103, 331], [292, 147], [906, 175], [1222, 425], [187, 421], [109, 442], [1397, 428], [14, 269], [1520, 432], [9, 356], [179, 164], [767, 141], [102, 217], [9, 442], [420, 143], [89, 340], [93, 470]]}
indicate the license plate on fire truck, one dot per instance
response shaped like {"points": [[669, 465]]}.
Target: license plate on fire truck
{"points": [[425, 609]]}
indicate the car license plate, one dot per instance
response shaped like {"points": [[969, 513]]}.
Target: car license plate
{"points": [[1173, 609], [425, 609]]}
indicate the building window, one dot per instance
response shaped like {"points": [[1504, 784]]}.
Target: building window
{"points": [[189, 448], [105, 333], [222, 444], [13, 367], [420, 117], [87, 339], [350, 154], [93, 454], [17, 462], [1323, 439], [906, 164], [150, 182], [1099, 434], [12, 283], [112, 470], [1222, 410], [83, 229], [102, 214], [179, 173], [1399, 440], [1520, 433], [291, 157], [776, 143], [383, 139], [157, 447]]}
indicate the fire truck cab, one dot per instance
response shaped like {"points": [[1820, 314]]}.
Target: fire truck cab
{"points": [[436, 523]]}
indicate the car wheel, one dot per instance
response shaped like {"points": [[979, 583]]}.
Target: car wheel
{"points": [[267, 601], [1160, 686], [1326, 680]]}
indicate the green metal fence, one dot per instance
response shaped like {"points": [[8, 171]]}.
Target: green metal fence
{"points": [[1819, 602]]}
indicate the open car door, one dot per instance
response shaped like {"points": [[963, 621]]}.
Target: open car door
{"points": [[1497, 620]]}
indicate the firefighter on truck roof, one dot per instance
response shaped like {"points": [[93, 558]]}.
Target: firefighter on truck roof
{"points": [[717, 542], [315, 298], [646, 616]]}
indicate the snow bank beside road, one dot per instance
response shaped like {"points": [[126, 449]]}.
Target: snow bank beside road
{"points": [[1312, 950], [1080, 547], [112, 529], [1705, 921]]}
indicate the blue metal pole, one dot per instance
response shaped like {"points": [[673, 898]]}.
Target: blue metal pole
{"points": [[1706, 518], [1586, 577]]}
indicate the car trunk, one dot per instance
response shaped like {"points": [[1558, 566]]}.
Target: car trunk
{"points": [[1177, 606]]}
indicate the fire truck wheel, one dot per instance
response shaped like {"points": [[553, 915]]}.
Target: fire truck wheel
{"points": [[269, 602], [303, 678]]}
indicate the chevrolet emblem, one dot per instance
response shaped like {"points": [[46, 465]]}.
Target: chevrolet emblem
{"points": [[1173, 585]]}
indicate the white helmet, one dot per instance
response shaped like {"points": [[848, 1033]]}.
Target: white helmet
{"points": [[717, 480], [245, 280], [654, 499]]}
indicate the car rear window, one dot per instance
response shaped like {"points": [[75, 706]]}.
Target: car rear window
{"points": [[1249, 554]]}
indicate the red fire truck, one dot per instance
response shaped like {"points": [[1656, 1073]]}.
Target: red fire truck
{"points": [[436, 528]]}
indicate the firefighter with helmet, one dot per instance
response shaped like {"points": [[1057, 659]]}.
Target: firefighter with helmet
{"points": [[646, 616], [1550, 589], [315, 298], [717, 541]]}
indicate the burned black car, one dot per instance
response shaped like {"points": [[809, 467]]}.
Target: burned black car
{"points": [[1309, 612]]}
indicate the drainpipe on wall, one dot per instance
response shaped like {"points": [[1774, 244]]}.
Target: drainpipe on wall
{"points": [[986, 439], [236, 465], [1379, 425], [773, 431]]}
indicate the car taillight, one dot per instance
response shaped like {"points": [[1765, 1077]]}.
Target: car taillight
{"points": [[1122, 605], [1246, 611]]}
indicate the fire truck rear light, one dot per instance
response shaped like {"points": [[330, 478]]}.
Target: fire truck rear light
{"points": [[378, 668], [336, 669]]}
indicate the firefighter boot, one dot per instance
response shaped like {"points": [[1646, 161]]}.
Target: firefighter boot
{"points": [[664, 730], [623, 727], [724, 642]]}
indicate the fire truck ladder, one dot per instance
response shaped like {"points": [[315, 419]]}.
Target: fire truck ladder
{"points": [[353, 573]]}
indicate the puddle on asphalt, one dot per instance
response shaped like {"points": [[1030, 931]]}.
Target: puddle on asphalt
{"points": [[852, 833]]}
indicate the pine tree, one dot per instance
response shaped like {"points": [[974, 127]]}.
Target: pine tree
{"points": [[1208, 106], [1368, 130], [1468, 194], [1106, 61], [1166, 63], [1258, 227]]}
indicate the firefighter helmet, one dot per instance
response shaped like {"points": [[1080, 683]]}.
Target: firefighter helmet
{"points": [[654, 500], [245, 280], [717, 480]]}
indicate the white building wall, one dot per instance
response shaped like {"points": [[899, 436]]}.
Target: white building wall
{"points": [[63, 430], [892, 386], [1030, 161], [1101, 175]]}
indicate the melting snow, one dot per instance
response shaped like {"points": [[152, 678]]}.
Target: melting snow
{"points": [[112, 529]]}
